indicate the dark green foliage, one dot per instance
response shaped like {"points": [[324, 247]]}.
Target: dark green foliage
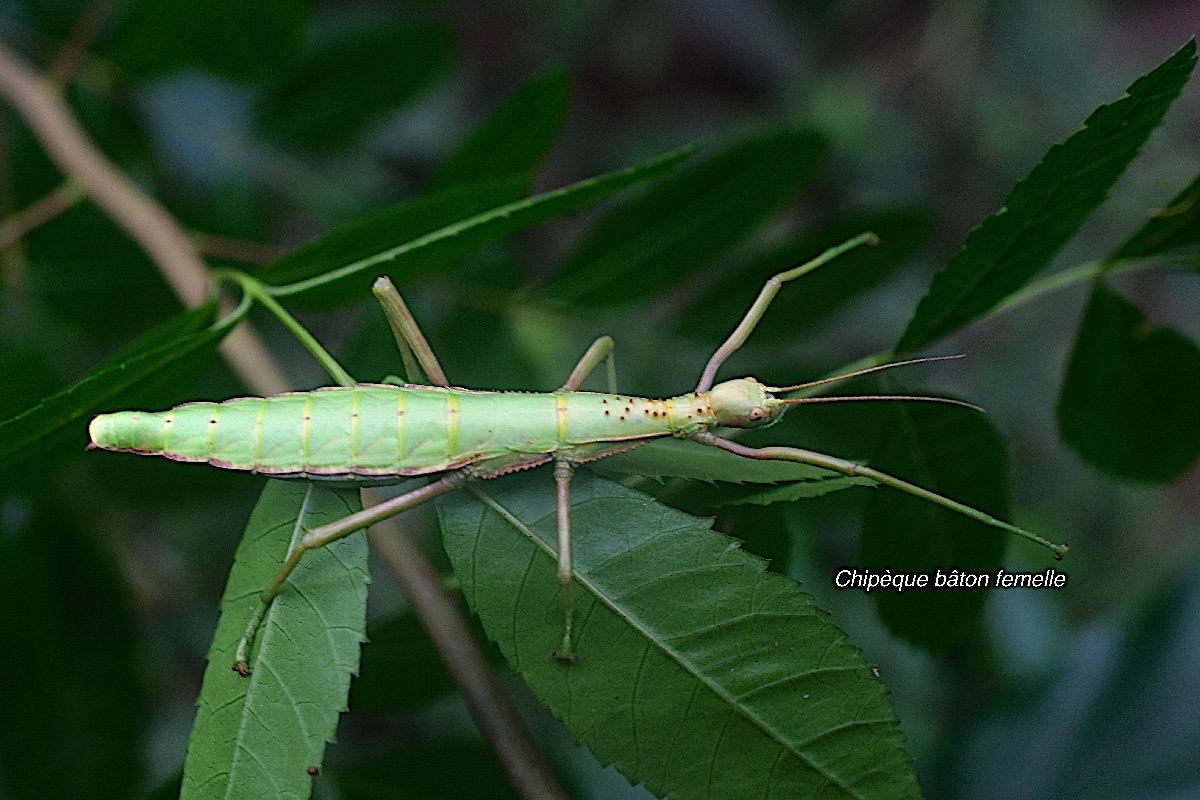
{"points": [[650, 243], [1128, 401], [70, 664], [386, 61], [700, 674], [902, 232], [514, 139], [1174, 226], [436, 229], [1124, 700], [353, 249], [464, 770], [399, 646], [236, 40], [1046, 208], [164, 356]]}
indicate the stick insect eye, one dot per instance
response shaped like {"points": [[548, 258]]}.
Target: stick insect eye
{"points": [[756, 414]]}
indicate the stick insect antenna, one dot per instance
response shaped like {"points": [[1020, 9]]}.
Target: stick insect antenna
{"points": [[841, 399], [856, 373]]}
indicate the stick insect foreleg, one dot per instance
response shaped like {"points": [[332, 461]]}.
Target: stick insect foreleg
{"points": [[853, 469], [765, 296], [319, 537], [409, 339]]}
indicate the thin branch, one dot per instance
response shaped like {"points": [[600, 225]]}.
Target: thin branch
{"points": [[442, 619], [240, 250], [141, 217], [13, 228], [89, 28]]}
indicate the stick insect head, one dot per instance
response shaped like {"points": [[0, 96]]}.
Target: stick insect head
{"points": [[745, 403]]}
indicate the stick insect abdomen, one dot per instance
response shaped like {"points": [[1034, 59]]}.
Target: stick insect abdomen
{"points": [[375, 432]]}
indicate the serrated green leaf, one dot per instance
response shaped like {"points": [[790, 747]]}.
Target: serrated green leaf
{"points": [[236, 40], [674, 458], [1173, 227], [958, 453], [1128, 402], [514, 139], [655, 240], [902, 233], [257, 736], [329, 267], [439, 236], [374, 65], [699, 673], [1047, 207], [180, 338]]}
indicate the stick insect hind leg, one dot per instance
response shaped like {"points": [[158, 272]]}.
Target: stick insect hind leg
{"points": [[415, 350]]}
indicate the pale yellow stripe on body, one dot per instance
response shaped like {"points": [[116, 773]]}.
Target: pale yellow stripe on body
{"points": [[563, 411], [168, 421], [305, 432], [670, 414], [453, 423], [212, 429]]}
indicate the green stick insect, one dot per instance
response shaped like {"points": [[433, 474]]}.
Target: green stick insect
{"points": [[381, 433]]}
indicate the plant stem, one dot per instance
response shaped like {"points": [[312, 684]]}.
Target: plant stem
{"points": [[255, 289]]}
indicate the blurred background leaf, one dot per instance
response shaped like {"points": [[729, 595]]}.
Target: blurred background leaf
{"points": [[239, 41], [1128, 401], [649, 243], [956, 452], [514, 138], [1175, 225]]}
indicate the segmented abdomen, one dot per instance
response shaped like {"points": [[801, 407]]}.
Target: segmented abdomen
{"points": [[372, 431], [357, 431]]}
